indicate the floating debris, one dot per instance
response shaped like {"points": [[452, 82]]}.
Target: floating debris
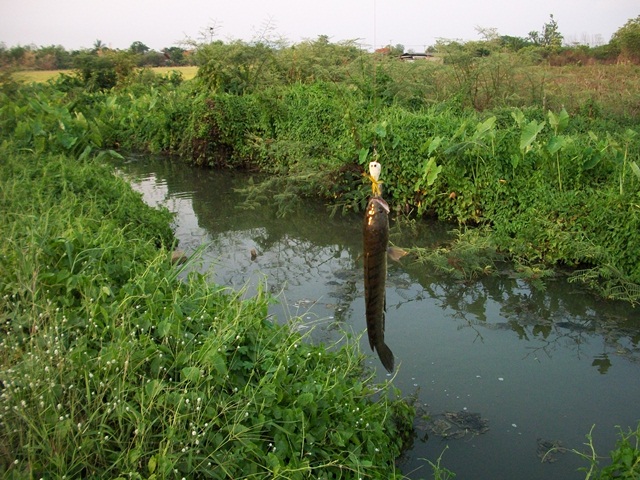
{"points": [[453, 425], [547, 449], [178, 257]]}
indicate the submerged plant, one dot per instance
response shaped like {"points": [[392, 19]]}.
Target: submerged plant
{"points": [[470, 255]]}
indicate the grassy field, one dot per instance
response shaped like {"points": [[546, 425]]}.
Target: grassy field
{"points": [[44, 75]]}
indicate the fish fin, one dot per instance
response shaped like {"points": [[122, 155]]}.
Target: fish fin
{"points": [[386, 356], [396, 253], [372, 342]]}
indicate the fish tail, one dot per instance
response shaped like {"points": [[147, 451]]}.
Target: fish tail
{"points": [[386, 356]]}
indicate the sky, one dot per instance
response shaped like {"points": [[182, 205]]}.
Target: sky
{"points": [[416, 24]]}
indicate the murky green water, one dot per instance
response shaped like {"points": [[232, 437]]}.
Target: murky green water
{"points": [[534, 365]]}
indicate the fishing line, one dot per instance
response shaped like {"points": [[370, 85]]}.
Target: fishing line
{"points": [[374, 166]]}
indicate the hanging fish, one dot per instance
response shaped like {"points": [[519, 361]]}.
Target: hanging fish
{"points": [[376, 240]]}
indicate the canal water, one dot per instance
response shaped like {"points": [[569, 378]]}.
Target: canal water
{"points": [[500, 371]]}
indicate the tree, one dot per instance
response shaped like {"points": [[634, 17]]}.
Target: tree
{"points": [[488, 34], [174, 55], [627, 39], [103, 72], [98, 46], [514, 43], [138, 48], [53, 57], [550, 35]]}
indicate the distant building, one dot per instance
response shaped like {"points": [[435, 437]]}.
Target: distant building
{"points": [[412, 57]]}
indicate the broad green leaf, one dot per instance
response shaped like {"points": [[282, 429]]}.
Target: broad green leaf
{"points": [[238, 429], [362, 155], [629, 134], [515, 161], [433, 144], [134, 455], [635, 169], [556, 144], [381, 129], [115, 155], [152, 388], [460, 131], [305, 399], [485, 127], [591, 161], [212, 359], [431, 171], [518, 116], [106, 290], [529, 134], [558, 122], [85, 153], [191, 374], [163, 328]]}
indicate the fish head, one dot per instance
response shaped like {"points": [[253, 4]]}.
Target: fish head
{"points": [[377, 205], [377, 211]]}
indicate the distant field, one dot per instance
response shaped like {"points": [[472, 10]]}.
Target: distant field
{"points": [[44, 75]]}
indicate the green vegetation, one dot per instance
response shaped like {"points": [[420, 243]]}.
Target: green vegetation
{"points": [[114, 366], [624, 458], [485, 141], [56, 57]]}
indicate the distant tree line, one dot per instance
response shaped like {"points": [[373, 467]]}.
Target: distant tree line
{"points": [[546, 45], [56, 57]]}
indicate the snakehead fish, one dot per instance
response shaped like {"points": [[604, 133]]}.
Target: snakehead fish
{"points": [[376, 239]]}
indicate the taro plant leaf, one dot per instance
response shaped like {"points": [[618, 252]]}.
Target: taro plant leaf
{"points": [[556, 144], [381, 129], [593, 158], [518, 116], [431, 172], [529, 134], [458, 147], [629, 135], [485, 128], [635, 169], [558, 122], [461, 130], [593, 154], [433, 144]]}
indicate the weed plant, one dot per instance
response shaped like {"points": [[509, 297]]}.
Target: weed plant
{"points": [[112, 366], [624, 461]]}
